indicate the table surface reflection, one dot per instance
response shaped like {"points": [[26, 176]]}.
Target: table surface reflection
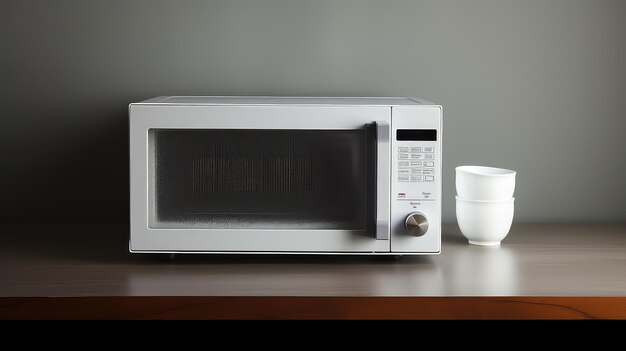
{"points": [[534, 260]]}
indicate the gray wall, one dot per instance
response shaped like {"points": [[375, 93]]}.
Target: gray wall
{"points": [[534, 85]]}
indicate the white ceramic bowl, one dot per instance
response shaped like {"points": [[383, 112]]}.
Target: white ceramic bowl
{"points": [[484, 223], [485, 183]]}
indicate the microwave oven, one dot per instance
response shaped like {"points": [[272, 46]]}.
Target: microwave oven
{"points": [[295, 175]]}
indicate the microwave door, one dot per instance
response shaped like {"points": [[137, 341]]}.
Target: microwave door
{"points": [[260, 179]]}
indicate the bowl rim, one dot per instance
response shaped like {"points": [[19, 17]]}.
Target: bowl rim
{"points": [[486, 171], [457, 197]]}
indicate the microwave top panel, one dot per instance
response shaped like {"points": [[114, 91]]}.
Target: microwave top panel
{"points": [[288, 100]]}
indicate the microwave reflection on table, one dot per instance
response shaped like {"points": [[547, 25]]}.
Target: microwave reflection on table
{"points": [[285, 276], [462, 270]]}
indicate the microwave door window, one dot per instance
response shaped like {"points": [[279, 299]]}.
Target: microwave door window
{"points": [[260, 179]]}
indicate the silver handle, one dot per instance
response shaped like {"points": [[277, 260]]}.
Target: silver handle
{"points": [[383, 170]]}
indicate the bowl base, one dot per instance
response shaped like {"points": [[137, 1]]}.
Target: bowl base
{"points": [[484, 243]]}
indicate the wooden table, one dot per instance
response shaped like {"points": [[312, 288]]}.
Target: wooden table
{"points": [[540, 271]]}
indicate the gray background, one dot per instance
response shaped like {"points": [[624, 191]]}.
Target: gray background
{"points": [[538, 86]]}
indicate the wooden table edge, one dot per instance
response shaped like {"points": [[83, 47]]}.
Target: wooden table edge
{"points": [[314, 307]]}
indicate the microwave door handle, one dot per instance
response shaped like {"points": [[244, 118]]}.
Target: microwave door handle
{"points": [[383, 171]]}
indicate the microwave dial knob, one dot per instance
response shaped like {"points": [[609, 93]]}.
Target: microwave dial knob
{"points": [[416, 224]]}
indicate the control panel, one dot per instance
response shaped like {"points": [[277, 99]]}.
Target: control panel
{"points": [[416, 164], [416, 179]]}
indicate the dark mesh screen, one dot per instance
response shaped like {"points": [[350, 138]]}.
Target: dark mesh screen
{"points": [[262, 179]]}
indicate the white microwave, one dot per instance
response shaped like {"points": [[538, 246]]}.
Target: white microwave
{"points": [[276, 175]]}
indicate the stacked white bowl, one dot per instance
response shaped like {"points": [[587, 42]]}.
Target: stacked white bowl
{"points": [[484, 203]]}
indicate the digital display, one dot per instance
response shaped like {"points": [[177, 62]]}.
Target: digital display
{"points": [[416, 135]]}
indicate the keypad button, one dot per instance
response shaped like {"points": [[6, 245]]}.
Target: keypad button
{"points": [[429, 164], [429, 149], [416, 171], [404, 178], [429, 156], [403, 149], [429, 178], [417, 156], [415, 163], [404, 171], [417, 178], [403, 164], [403, 156], [416, 150], [428, 171]]}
